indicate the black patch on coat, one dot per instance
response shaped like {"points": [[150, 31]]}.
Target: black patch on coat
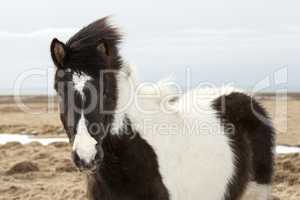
{"points": [[129, 170], [252, 135]]}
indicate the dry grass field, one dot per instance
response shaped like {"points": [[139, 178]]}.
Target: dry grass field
{"points": [[34, 171]]}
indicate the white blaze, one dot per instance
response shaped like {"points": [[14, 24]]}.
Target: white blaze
{"points": [[84, 144], [79, 81]]}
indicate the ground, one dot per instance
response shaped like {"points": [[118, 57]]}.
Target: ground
{"points": [[34, 171]]}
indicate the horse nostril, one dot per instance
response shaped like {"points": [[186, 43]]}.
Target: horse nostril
{"points": [[98, 158], [100, 154], [76, 159]]}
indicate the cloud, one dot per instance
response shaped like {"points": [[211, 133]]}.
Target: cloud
{"points": [[241, 32], [43, 33], [215, 32]]}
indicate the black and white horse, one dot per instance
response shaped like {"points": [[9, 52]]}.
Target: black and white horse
{"points": [[148, 143]]}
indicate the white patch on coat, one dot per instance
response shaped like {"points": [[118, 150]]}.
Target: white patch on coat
{"points": [[129, 90], [84, 144], [79, 81], [196, 148], [257, 191], [194, 153]]}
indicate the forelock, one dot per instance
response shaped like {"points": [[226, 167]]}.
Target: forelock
{"points": [[83, 54], [94, 33]]}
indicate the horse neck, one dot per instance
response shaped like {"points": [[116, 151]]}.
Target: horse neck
{"points": [[136, 102]]}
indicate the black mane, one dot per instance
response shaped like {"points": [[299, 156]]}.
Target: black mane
{"points": [[82, 53], [94, 33]]}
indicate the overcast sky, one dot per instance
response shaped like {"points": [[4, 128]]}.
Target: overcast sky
{"points": [[239, 42]]}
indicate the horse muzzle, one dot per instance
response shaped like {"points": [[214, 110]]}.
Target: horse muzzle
{"points": [[85, 163]]}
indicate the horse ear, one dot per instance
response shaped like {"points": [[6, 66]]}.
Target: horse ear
{"points": [[58, 52], [103, 48]]}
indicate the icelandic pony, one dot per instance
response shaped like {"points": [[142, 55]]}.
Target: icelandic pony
{"points": [[149, 143]]}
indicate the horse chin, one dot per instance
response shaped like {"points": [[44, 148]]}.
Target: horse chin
{"points": [[89, 171]]}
